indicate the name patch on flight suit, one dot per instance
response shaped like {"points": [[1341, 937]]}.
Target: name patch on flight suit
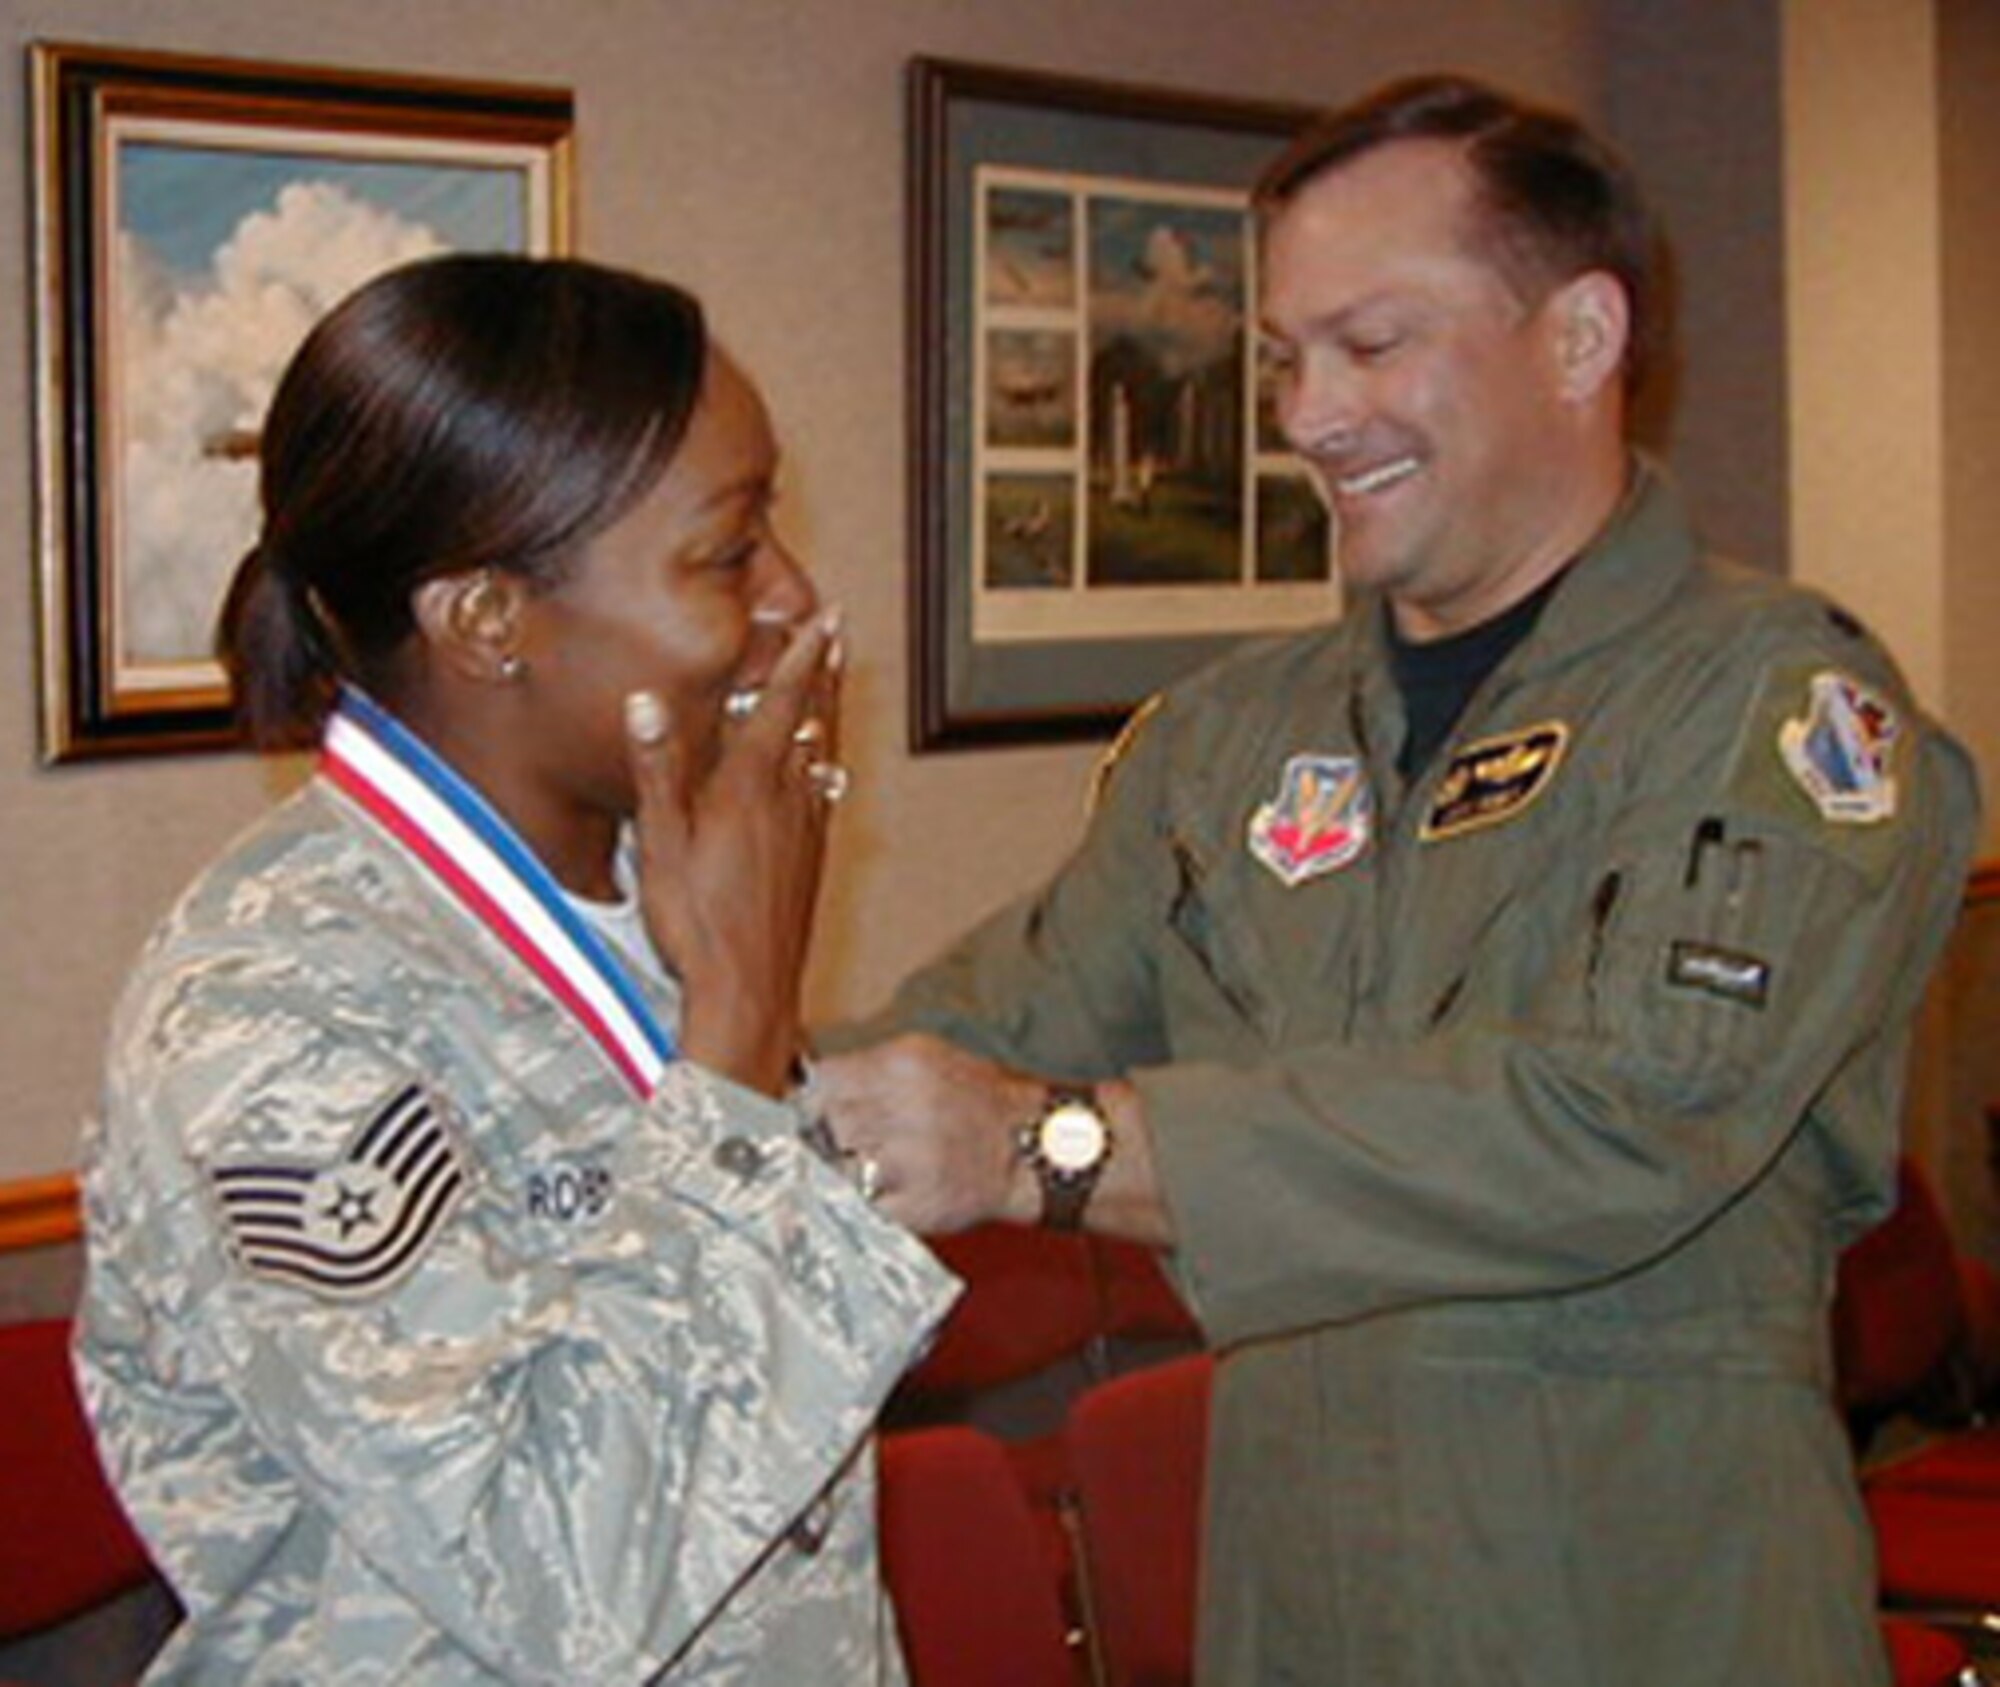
{"points": [[1839, 750], [1495, 779], [354, 1225], [1317, 823], [1728, 973]]}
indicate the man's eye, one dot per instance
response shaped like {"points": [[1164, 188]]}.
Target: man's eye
{"points": [[1372, 348]]}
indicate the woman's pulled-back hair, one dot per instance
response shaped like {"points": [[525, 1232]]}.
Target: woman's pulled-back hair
{"points": [[461, 412]]}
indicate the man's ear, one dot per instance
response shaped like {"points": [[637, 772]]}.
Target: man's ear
{"points": [[1591, 321], [472, 623]]}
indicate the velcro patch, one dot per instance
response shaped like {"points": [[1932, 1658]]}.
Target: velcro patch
{"points": [[1839, 749], [356, 1225], [1728, 973], [1319, 821], [1495, 779]]}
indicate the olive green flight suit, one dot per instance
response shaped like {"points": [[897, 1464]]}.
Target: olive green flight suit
{"points": [[1509, 1164]]}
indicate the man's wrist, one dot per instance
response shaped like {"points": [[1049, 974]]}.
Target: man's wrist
{"points": [[1065, 1146]]}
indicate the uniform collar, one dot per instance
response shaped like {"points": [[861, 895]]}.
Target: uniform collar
{"points": [[1636, 564]]}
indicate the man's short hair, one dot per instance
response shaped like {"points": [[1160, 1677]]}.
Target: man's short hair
{"points": [[1554, 200]]}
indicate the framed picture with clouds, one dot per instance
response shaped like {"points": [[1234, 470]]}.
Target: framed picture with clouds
{"points": [[192, 219]]}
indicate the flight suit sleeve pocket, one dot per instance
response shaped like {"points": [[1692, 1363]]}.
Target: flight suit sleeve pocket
{"points": [[1703, 955]]}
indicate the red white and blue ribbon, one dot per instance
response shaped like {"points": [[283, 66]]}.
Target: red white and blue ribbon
{"points": [[483, 864]]}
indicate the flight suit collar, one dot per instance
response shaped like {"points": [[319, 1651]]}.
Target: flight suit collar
{"points": [[1623, 577]]}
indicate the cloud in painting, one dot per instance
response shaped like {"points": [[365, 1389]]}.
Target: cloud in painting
{"points": [[200, 361], [1173, 298]]}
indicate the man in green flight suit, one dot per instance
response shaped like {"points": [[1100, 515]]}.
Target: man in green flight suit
{"points": [[1496, 1003]]}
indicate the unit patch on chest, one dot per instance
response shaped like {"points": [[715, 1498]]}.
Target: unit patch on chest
{"points": [[1495, 779], [1317, 823]]}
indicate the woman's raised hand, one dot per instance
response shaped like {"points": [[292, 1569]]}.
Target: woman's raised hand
{"points": [[729, 864]]}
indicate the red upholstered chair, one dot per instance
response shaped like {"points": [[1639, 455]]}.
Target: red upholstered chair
{"points": [[1923, 1657], [1899, 1322], [1030, 1304], [1964, 1459], [1030, 1299], [1138, 1302], [1138, 1445], [976, 1600], [1043, 1317], [65, 1545]]}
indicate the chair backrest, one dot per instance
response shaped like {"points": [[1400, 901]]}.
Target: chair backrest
{"points": [[1920, 1656], [65, 1545], [1898, 1309], [1139, 1300], [975, 1594], [1138, 1446], [1030, 1299]]}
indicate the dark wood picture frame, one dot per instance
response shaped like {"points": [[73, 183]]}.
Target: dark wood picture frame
{"points": [[976, 133], [158, 179]]}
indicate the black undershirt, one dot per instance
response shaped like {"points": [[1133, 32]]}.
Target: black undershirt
{"points": [[1436, 678]]}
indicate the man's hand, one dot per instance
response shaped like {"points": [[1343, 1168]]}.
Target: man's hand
{"points": [[939, 1125]]}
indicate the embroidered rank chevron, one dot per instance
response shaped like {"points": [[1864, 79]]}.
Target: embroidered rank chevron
{"points": [[356, 1226]]}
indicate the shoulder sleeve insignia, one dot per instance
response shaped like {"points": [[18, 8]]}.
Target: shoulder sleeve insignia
{"points": [[1128, 735], [1494, 779], [1839, 748], [357, 1225]]}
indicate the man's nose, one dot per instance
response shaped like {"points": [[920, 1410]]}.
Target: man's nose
{"points": [[1319, 406]]}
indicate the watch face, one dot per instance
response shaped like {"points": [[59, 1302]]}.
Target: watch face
{"points": [[1072, 1137]]}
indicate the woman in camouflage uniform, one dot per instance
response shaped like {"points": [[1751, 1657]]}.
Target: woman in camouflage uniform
{"points": [[465, 1303]]}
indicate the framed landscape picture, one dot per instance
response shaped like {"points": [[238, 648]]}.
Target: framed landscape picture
{"points": [[1100, 499], [193, 218]]}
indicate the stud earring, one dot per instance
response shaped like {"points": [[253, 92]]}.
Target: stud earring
{"points": [[511, 668]]}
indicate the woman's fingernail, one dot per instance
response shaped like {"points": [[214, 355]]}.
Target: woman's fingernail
{"points": [[645, 716], [832, 619]]}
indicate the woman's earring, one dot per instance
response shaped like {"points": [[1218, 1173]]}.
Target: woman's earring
{"points": [[511, 668]]}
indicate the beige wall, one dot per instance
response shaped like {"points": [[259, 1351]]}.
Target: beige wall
{"points": [[753, 149], [1866, 320]]}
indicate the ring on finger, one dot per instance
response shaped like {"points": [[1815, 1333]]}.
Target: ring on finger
{"points": [[829, 780], [868, 1176]]}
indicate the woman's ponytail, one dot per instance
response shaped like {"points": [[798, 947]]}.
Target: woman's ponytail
{"points": [[276, 654]]}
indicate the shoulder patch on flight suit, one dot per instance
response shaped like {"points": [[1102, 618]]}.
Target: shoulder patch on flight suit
{"points": [[1494, 779], [355, 1225], [1838, 748], [1318, 822], [1107, 764], [1824, 755]]}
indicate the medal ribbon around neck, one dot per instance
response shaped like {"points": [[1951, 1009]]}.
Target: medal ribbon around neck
{"points": [[483, 864]]}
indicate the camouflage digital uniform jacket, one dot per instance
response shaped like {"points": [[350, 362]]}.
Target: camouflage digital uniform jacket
{"points": [[599, 1413], [1510, 1144]]}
